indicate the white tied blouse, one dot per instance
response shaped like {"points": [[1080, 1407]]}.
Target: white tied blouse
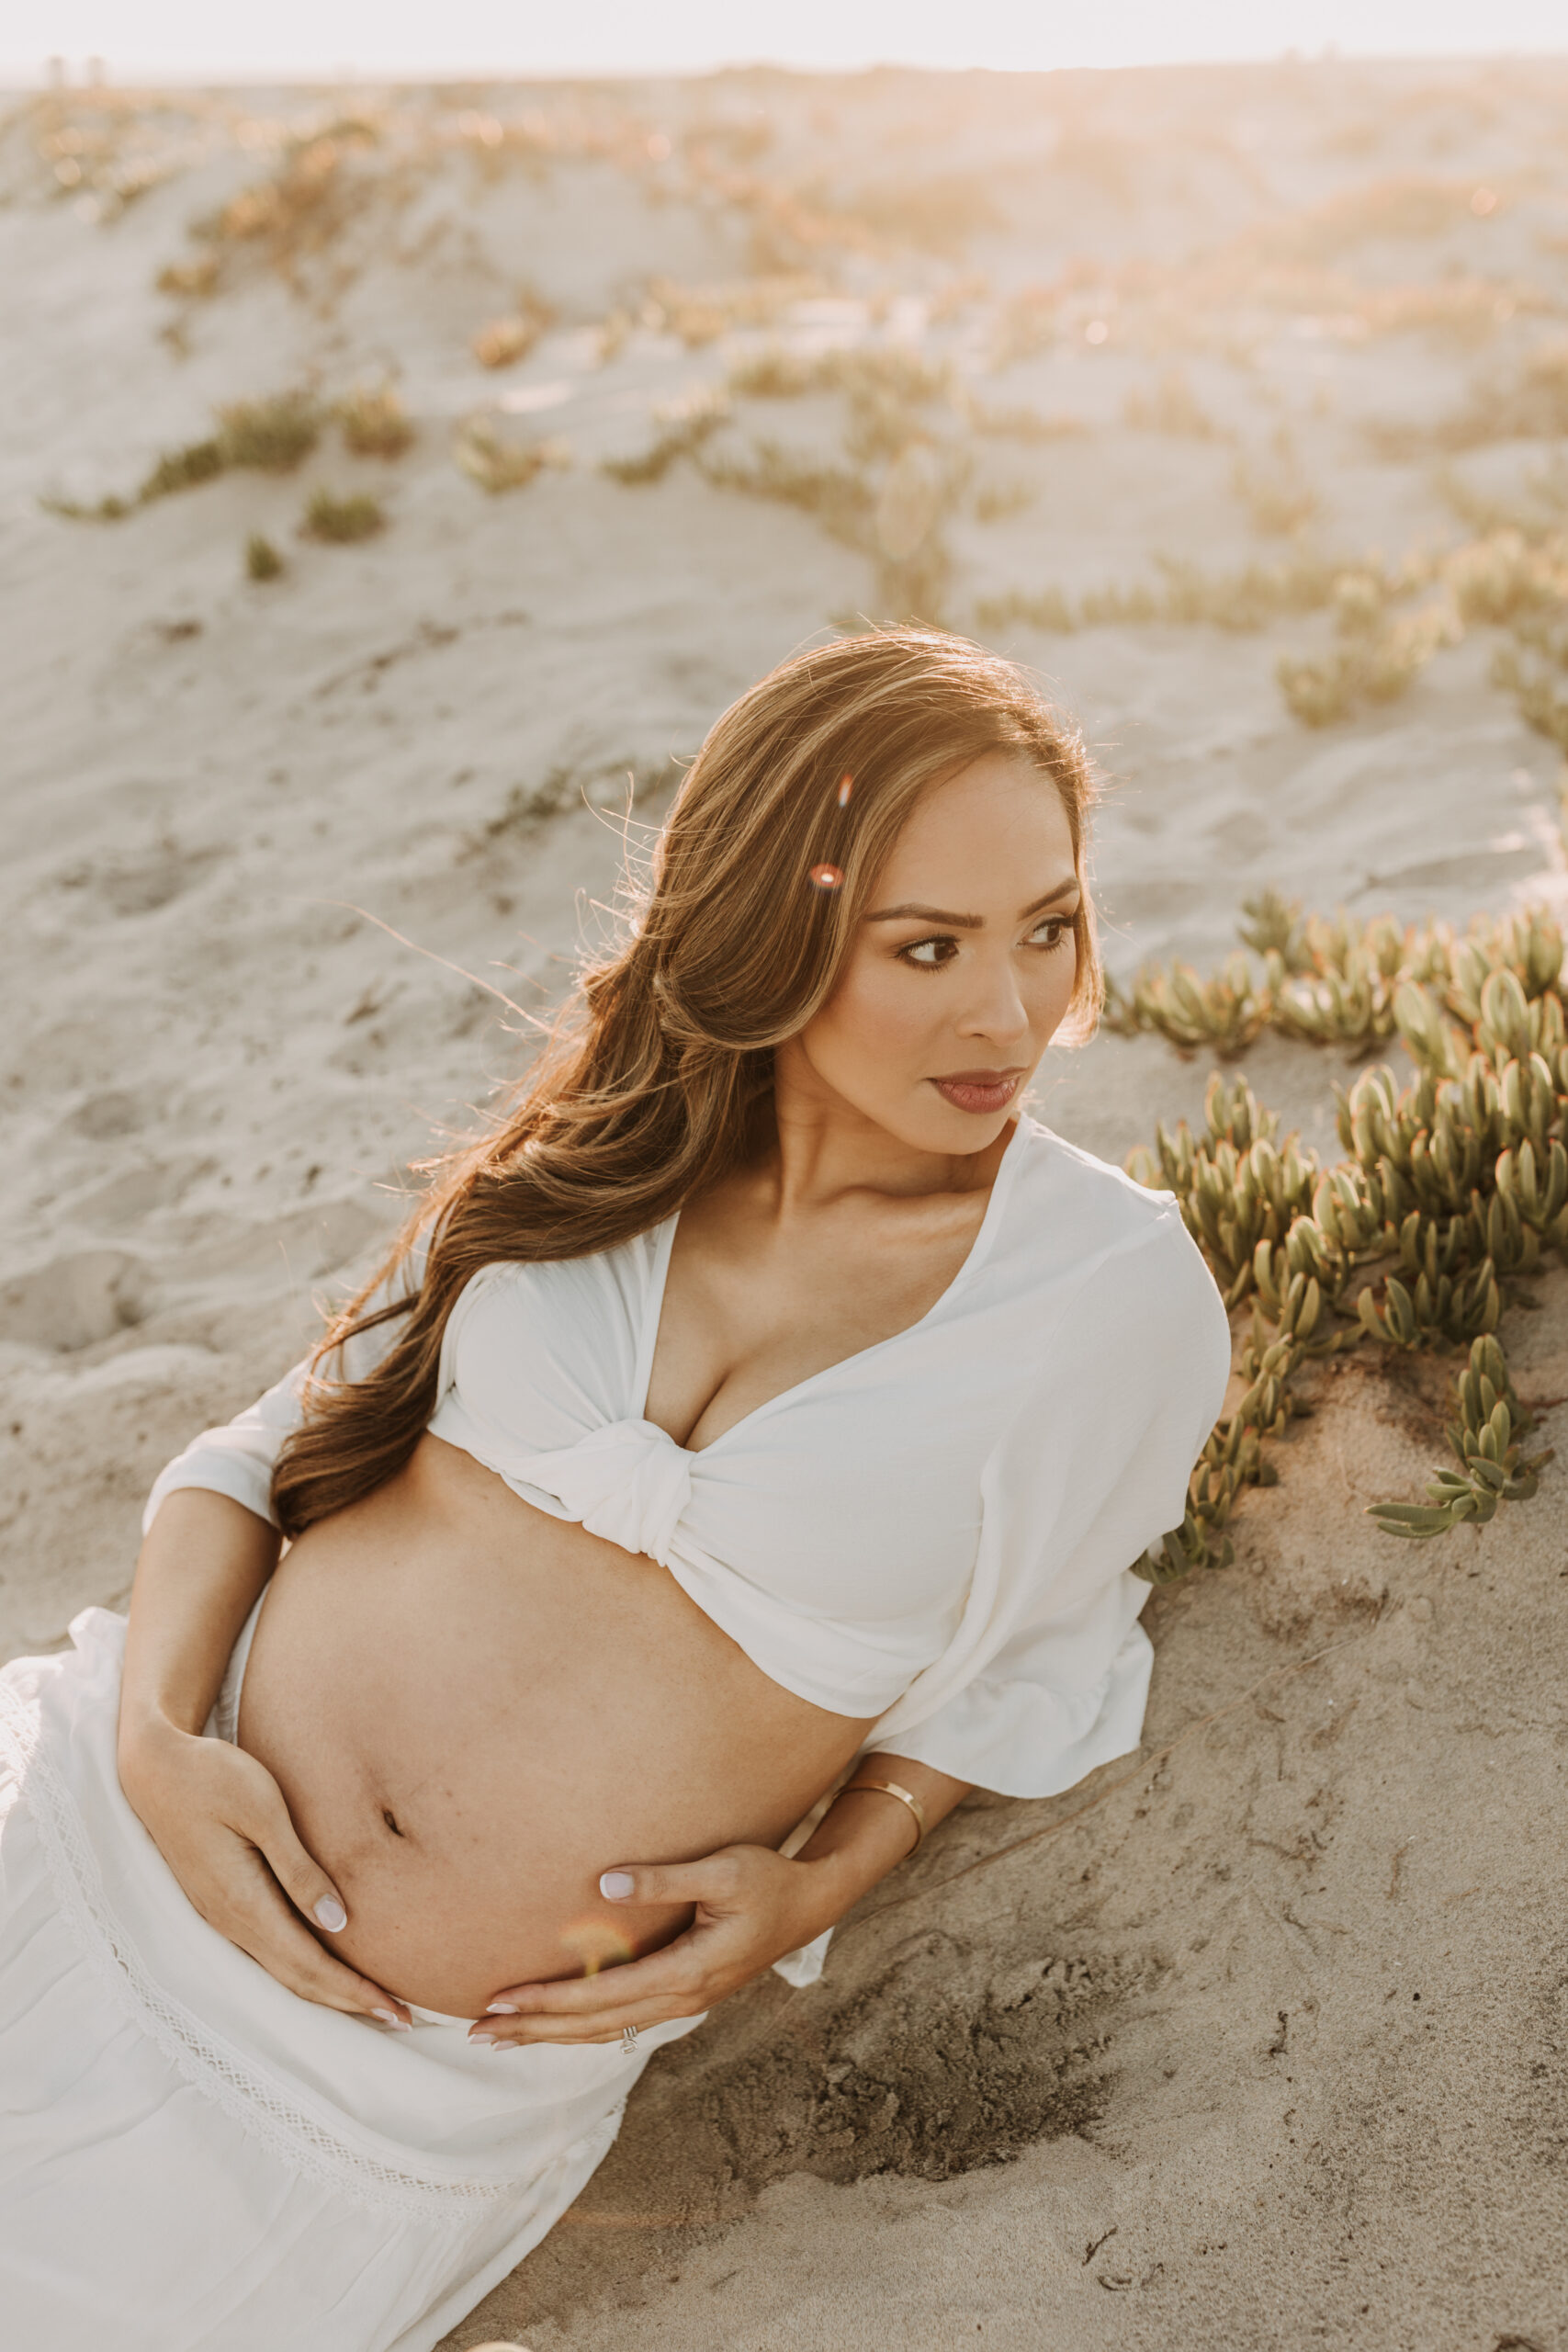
{"points": [[934, 1532]]}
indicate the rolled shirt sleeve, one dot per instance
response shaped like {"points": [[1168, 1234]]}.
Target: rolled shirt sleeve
{"points": [[1092, 1470], [237, 1458]]}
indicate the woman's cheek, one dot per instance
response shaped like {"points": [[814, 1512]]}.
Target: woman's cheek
{"points": [[893, 1019], [873, 1029]]}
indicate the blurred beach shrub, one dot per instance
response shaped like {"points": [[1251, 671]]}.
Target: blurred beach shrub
{"points": [[1186, 597], [1025, 325], [193, 279], [273, 435], [177, 469], [374, 421], [684, 425], [297, 211], [1513, 577], [1377, 664], [1174, 407], [998, 501], [480, 450], [1535, 687], [873, 378], [341, 521], [1402, 205], [1017, 424], [841, 502], [1530, 404], [1276, 493], [504, 341], [939, 212], [699, 314]]}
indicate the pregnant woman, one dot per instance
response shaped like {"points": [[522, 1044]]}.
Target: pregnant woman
{"points": [[763, 1411]]}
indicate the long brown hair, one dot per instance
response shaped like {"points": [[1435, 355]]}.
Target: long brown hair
{"points": [[654, 1081]]}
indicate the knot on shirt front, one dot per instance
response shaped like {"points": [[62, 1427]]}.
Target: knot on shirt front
{"points": [[628, 1482]]}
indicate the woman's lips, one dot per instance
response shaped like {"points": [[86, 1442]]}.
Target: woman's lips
{"points": [[978, 1089]]}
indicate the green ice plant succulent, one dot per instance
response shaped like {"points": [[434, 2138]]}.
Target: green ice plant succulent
{"points": [[1452, 1192], [1341, 982], [1238, 1191], [1227, 1011], [1486, 1441]]}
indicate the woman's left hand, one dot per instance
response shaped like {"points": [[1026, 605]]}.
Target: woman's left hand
{"points": [[752, 1906]]}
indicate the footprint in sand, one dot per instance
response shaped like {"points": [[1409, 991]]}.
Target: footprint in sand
{"points": [[103, 1117], [139, 886], [74, 1302]]}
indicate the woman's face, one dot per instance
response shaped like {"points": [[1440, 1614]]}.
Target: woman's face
{"points": [[963, 967]]}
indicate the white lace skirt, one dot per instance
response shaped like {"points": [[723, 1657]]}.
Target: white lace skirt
{"points": [[192, 2159]]}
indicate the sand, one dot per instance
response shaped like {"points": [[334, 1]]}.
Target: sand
{"points": [[1260, 2037]]}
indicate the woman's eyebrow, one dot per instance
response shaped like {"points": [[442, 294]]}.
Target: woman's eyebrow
{"points": [[970, 922]]}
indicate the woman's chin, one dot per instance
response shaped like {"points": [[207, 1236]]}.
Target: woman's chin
{"points": [[941, 1129]]}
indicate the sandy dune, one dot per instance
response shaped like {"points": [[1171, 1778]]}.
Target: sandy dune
{"points": [[1259, 2039]]}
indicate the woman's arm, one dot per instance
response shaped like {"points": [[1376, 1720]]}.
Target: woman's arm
{"points": [[216, 1815], [752, 1906], [200, 1571]]}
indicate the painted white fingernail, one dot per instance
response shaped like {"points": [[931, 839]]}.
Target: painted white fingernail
{"points": [[501, 2009], [390, 2017], [615, 1885], [330, 1915], [488, 2039]]}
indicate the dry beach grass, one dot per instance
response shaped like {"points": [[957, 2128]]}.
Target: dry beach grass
{"points": [[1234, 400]]}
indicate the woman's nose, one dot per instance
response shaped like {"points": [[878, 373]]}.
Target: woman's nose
{"points": [[997, 1008]]}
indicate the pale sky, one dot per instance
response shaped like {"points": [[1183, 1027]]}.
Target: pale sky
{"points": [[149, 39]]}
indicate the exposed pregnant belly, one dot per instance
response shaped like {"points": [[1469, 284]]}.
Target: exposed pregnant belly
{"points": [[474, 1709]]}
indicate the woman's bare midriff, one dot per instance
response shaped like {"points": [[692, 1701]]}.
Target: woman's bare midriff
{"points": [[473, 1709]]}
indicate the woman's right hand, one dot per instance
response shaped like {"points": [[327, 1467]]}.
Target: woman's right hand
{"points": [[219, 1821]]}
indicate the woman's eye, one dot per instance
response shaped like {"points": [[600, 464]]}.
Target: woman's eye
{"points": [[1050, 932], [930, 953]]}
